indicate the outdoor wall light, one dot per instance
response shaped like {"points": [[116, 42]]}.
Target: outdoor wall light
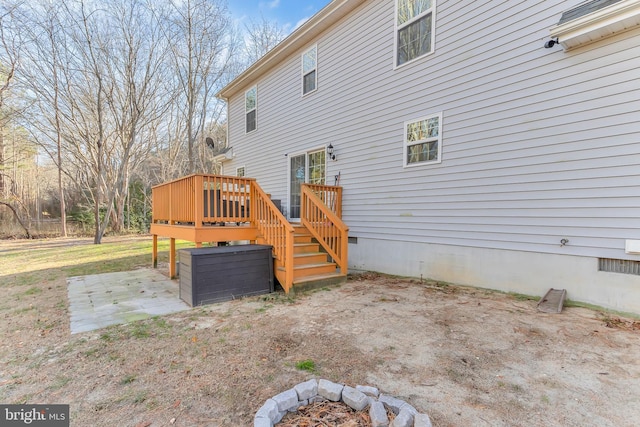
{"points": [[551, 43], [330, 152]]}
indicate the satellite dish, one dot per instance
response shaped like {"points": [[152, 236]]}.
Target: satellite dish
{"points": [[210, 142]]}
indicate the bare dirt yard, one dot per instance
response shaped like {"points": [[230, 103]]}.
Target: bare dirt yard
{"points": [[466, 357]]}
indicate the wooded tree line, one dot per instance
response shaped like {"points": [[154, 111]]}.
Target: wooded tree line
{"points": [[99, 101]]}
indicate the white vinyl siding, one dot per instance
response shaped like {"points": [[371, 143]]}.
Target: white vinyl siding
{"points": [[251, 109], [310, 70], [539, 144]]}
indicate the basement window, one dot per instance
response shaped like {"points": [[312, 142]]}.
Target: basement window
{"points": [[623, 266]]}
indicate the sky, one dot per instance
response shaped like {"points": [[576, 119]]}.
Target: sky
{"points": [[290, 14]]}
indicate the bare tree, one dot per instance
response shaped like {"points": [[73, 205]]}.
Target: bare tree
{"points": [[139, 98], [10, 43], [261, 37], [88, 105], [203, 48], [120, 84], [41, 76], [8, 63]]}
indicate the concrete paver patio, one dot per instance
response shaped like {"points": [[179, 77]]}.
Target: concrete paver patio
{"points": [[101, 300]]}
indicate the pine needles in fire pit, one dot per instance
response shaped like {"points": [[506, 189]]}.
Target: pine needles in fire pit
{"points": [[328, 414]]}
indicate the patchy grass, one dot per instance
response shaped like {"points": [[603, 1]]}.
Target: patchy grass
{"points": [[42, 262], [140, 330], [264, 308], [140, 397], [572, 303], [522, 297], [128, 379], [59, 382], [306, 365], [611, 321], [277, 297]]}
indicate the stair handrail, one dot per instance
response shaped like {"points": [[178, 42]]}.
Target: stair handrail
{"points": [[330, 195], [274, 230], [325, 225]]}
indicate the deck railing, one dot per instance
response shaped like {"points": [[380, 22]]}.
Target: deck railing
{"points": [[320, 213], [330, 195], [274, 230], [200, 199]]}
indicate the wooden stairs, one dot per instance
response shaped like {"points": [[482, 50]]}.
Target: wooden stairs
{"points": [[193, 208], [312, 268]]}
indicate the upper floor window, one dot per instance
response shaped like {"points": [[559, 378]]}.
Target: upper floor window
{"points": [[240, 172], [309, 74], [251, 108], [423, 140], [414, 29]]}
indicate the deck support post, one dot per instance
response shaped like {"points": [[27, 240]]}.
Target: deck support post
{"points": [[172, 258], [198, 244], [154, 253]]}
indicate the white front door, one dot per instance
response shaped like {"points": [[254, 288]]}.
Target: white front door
{"points": [[309, 167]]}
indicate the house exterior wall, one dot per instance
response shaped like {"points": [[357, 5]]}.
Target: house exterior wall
{"points": [[538, 145]]}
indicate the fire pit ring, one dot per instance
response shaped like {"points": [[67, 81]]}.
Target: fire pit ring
{"points": [[358, 398]]}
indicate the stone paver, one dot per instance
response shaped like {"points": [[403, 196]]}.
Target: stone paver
{"points": [[330, 390], [403, 419], [356, 399], [307, 390], [378, 415], [368, 390], [391, 402], [421, 420], [286, 400], [101, 300]]}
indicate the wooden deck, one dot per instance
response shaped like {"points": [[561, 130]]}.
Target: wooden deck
{"points": [[212, 208]]}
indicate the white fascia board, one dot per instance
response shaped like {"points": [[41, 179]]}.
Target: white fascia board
{"points": [[618, 17]]}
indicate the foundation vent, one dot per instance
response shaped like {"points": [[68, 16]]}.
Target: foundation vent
{"points": [[619, 266]]}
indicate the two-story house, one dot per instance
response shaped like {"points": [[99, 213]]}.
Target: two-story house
{"points": [[487, 143]]}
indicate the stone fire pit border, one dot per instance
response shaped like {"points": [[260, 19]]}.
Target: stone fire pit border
{"points": [[358, 398]]}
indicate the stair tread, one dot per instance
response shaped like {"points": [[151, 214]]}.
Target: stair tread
{"points": [[309, 254], [303, 266], [317, 264], [318, 277]]}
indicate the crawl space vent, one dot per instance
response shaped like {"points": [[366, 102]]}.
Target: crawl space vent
{"points": [[624, 266]]}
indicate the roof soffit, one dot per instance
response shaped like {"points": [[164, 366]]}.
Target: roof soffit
{"points": [[614, 18]]}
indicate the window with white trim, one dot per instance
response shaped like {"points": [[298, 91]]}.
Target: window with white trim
{"points": [[423, 140], [251, 109], [309, 70], [414, 29], [240, 171]]}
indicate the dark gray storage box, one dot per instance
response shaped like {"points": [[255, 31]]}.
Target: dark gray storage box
{"points": [[223, 273]]}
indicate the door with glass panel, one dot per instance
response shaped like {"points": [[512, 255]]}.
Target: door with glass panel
{"points": [[309, 167]]}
